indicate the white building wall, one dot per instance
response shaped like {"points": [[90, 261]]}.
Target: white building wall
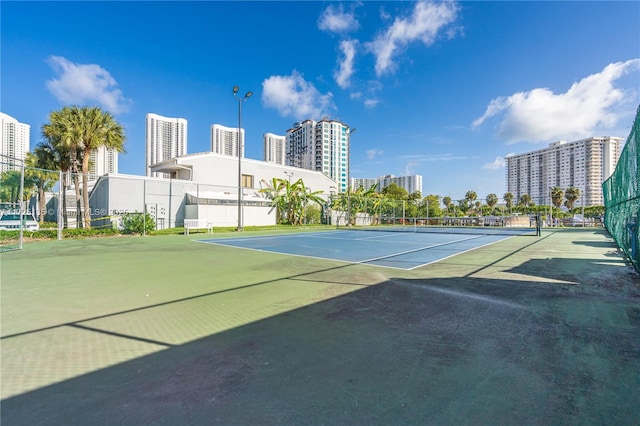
{"points": [[204, 175], [166, 138], [15, 143]]}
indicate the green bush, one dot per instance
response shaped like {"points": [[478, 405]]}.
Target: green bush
{"points": [[137, 223]]}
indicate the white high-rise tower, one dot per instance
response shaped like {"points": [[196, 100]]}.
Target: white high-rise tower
{"points": [[166, 139], [15, 143], [224, 140], [274, 148]]}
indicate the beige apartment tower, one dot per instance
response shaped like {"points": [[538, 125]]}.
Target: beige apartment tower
{"points": [[584, 164]]}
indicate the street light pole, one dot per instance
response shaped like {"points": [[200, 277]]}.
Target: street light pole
{"points": [[240, 101]]}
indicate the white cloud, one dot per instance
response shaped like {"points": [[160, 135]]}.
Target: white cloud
{"points": [[373, 153], [498, 163], [424, 24], [371, 103], [410, 168], [292, 96], [335, 19], [85, 83], [541, 115], [345, 70]]}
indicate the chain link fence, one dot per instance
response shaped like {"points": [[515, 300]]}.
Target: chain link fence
{"points": [[622, 197], [58, 201]]}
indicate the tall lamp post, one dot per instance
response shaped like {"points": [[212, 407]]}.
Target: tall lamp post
{"points": [[240, 101]]}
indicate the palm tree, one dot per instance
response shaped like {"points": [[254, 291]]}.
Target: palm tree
{"points": [[492, 200], [571, 194], [525, 201], [41, 163], [471, 196], [556, 196], [447, 202], [99, 129], [61, 133], [508, 199], [82, 130]]}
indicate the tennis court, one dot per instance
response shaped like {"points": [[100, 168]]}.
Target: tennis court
{"points": [[401, 248], [167, 330]]}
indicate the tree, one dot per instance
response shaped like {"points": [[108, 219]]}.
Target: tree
{"points": [[492, 200], [571, 194], [62, 132], [10, 186], [447, 202], [556, 196], [99, 129], [471, 196], [464, 206], [290, 199], [77, 131], [432, 204], [395, 192], [525, 201], [41, 163], [508, 199]]}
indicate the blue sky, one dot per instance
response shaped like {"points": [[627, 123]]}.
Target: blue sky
{"points": [[444, 90]]}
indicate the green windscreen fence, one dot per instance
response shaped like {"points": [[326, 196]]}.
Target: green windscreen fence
{"points": [[622, 197]]}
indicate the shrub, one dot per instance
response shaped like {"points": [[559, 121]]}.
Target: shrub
{"points": [[137, 223]]}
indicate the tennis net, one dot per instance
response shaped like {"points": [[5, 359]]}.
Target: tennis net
{"points": [[493, 225]]}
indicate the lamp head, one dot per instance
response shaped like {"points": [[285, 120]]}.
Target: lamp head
{"points": [[235, 89], [248, 95]]}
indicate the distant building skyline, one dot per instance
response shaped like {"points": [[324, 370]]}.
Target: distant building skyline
{"points": [[274, 148], [166, 138], [15, 143], [584, 164], [224, 140], [103, 161], [322, 146], [410, 183]]}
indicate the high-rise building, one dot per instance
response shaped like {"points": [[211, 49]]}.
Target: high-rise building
{"points": [[584, 164], [15, 143], [411, 184], [274, 148], [166, 139], [322, 146], [224, 140], [103, 161]]}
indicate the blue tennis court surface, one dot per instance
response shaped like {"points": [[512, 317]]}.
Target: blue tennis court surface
{"points": [[387, 249]]}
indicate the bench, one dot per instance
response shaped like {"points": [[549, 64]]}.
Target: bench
{"points": [[190, 224]]}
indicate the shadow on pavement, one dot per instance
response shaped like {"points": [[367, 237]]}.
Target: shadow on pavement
{"points": [[407, 351]]}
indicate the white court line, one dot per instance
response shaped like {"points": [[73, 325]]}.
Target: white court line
{"points": [[459, 252], [421, 248], [221, 242]]}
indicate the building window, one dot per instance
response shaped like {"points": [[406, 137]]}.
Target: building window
{"points": [[247, 181]]}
